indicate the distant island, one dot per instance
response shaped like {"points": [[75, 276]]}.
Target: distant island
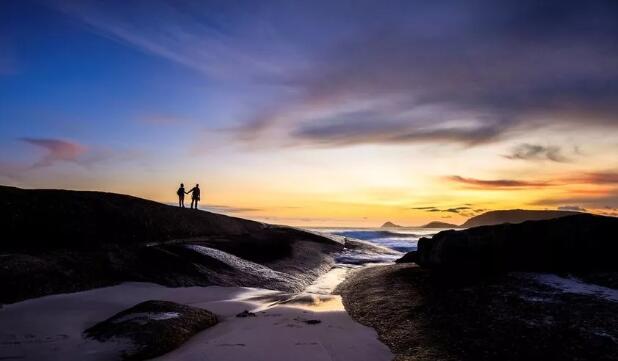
{"points": [[434, 224], [495, 217], [391, 225], [437, 224]]}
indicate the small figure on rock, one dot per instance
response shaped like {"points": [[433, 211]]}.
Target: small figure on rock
{"points": [[181, 195], [195, 195]]}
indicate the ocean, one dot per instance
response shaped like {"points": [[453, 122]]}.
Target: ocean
{"points": [[401, 240]]}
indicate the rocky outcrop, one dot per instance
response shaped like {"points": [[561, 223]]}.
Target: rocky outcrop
{"points": [[390, 225], [574, 243], [422, 316], [63, 241], [410, 257], [152, 328], [514, 216]]}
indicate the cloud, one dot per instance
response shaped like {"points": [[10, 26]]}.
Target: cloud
{"points": [[220, 40], [572, 208], [357, 128], [59, 150], [225, 209], [537, 152], [219, 208], [609, 177], [56, 150], [479, 65], [497, 183], [442, 72], [603, 200], [465, 210]]}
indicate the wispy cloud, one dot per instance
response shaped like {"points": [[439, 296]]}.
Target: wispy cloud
{"points": [[497, 183], [465, 210], [383, 128], [608, 177], [219, 208], [220, 40], [62, 150], [450, 210], [57, 150], [483, 71], [604, 200], [572, 208], [537, 152]]}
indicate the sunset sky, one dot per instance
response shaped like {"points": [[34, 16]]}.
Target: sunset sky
{"points": [[316, 112]]}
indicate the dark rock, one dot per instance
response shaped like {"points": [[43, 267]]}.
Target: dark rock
{"points": [[409, 257], [581, 242], [64, 241], [422, 316], [246, 313], [312, 322], [153, 327]]}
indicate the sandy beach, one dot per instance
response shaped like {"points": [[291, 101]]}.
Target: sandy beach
{"points": [[51, 327]]}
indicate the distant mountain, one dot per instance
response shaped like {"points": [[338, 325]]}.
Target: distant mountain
{"points": [[514, 216], [436, 224], [390, 225]]}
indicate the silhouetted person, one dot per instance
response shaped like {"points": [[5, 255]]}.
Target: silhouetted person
{"points": [[181, 195], [195, 195]]}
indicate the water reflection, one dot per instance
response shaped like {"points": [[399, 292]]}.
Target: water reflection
{"points": [[308, 301]]}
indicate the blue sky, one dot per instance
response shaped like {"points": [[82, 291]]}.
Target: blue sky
{"points": [[350, 111]]}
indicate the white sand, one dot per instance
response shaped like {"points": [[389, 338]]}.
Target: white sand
{"points": [[51, 327]]}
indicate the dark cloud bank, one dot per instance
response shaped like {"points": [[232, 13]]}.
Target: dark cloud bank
{"points": [[391, 72], [454, 72]]}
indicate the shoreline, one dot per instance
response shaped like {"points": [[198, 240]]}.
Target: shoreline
{"points": [[53, 325]]}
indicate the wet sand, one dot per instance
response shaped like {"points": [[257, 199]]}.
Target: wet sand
{"points": [[285, 327]]}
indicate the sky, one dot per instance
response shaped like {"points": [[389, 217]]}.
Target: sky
{"points": [[316, 113]]}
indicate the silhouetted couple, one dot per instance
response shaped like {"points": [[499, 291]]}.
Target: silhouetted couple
{"points": [[195, 195]]}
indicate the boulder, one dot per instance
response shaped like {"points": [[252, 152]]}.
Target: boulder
{"points": [[581, 242], [152, 328]]}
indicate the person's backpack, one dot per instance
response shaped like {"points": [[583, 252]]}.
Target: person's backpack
{"points": [[180, 192]]}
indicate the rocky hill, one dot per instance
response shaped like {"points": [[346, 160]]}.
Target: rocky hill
{"points": [[513, 216], [61, 241]]}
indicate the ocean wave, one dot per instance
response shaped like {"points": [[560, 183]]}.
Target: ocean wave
{"points": [[398, 240], [373, 235], [359, 258]]}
